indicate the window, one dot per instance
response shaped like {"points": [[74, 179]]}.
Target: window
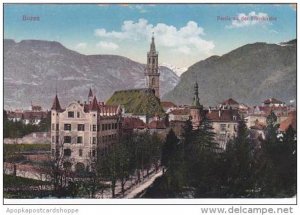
{"points": [[116, 126], [79, 139], [234, 117], [105, 127], [102, 127], [53, 126], [53, 139], [67, 152], [71, 114], [223, 127], [80, 152], [80, 127], [57, 138], [57, 127], [94, 127], [78, 114], [67, 139], [93, 153], [67, 127], [94, 140]]}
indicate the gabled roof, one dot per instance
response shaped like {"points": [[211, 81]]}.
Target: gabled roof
{"points": [[56, 105], [167, 104], [230, 101]]}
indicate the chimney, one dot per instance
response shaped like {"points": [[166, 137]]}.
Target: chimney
{"points": [[220, 113], [209, 109]]}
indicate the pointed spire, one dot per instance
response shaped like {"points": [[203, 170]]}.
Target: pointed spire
{"points": [[90, 93], [94, 105], [152, 46], [56, 104], [196, 102]]}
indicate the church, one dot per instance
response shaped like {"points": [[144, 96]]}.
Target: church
{"points": [[143, 103]]}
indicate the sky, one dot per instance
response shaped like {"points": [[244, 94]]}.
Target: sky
{"points": [[184, 33]]}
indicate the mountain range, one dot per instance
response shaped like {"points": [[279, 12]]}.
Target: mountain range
{"points": [[249, 74], [34, 70]]}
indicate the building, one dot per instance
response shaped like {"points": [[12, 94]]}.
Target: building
{"points": [[272, 102], [290, 121], [33, 116], [179, 114], [81, 131], [143, 103], [225, 125], [224, 120], [229, 103], [168, 106], [152, 73]]}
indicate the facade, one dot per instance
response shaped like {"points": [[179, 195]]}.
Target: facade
{"points": [[225, 125], [152, 73], [81, 131]]}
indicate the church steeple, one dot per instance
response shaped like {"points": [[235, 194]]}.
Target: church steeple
{"points": [[152, 74], [152, 46]]}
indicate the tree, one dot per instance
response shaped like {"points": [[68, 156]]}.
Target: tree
{"points": [[276, 169], [169, 148], [238, 165]]}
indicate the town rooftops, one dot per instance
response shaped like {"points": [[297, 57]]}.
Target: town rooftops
{"points": [[167, 104], [230, 101], [223, 115], [180, 111], [130, 123], [272, 101]]}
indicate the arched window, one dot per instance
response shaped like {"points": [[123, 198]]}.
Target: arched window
{"points": [[153, 82]]}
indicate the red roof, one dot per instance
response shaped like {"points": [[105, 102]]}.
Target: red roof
{"points": [[273, 101], [184, 111], [290, 121], [167, 104], [223, 116], [230, 101], [133, 123]]}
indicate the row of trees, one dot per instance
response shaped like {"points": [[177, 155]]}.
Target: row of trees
{"points": [[195, 166], [132, 158], [129, 160]]}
